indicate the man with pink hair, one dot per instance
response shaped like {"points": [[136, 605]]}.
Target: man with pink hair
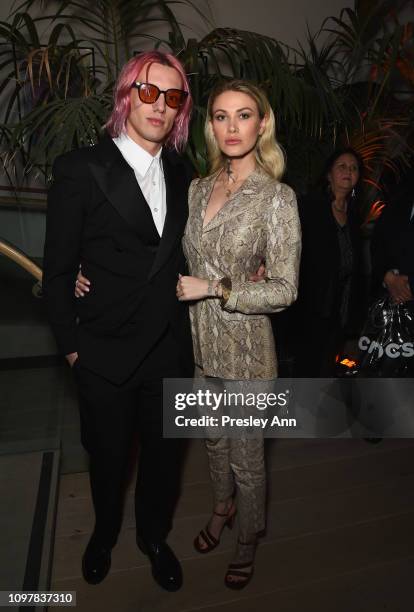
{"points": [[119, 209]]}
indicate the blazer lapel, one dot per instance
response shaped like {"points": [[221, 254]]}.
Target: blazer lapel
{"points": [[177, 207], [238, 201], [118, 182], [201, 198]]}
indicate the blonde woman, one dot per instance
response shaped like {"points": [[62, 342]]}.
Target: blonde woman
{"points": [[240, 216]]}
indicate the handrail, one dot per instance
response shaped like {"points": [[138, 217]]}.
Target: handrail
{"points": [[21, 259]]}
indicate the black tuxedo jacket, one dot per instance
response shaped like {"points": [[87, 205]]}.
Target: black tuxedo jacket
{"points": [[97, 217], [392, 245]]}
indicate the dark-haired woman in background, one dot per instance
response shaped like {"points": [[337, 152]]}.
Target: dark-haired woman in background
{"points": [[330, 301]]}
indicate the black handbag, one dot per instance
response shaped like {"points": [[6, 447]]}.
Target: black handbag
{"points": [[386, 345]]}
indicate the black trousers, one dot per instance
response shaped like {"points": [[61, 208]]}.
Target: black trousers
{"points": [[110, 418], [317, 342]]}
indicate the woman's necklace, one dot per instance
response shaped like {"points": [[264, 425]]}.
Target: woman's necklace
{"points": [[230, 179], [233, 180], [338, 209]]}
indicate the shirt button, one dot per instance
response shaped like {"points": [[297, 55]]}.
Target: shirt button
{"points": [[155, 209], [154, 183]]}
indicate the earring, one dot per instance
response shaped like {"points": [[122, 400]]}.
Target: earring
{"points": [[353, 192]]}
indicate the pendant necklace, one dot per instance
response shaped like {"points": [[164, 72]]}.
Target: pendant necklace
{"points": [[340, 210], [230, 177]]}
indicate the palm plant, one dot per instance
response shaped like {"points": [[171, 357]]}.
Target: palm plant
{"points": [[59, 84], [68, 82], [376, 67], [341, 90]]}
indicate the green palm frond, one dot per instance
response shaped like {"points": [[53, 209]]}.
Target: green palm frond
{"points": [[59, 126], [118, 28], [300, 93]]}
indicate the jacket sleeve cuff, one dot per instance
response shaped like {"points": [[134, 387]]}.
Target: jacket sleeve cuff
{"points": [[229, 297]]}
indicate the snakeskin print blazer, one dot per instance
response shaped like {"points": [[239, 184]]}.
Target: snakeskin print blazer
{"points": [[258, 222]]}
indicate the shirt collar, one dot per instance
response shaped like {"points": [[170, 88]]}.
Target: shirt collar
{"points": [[139, 159]]}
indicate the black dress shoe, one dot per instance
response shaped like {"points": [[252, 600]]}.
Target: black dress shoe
{"points": [[166, 568], [96, 563], [373, 440]]}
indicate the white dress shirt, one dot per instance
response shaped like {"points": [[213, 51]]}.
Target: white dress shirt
{"points": [[149, 174]]}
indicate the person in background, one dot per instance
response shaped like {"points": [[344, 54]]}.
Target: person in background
{"points": [[331, 284], [392, 246]]}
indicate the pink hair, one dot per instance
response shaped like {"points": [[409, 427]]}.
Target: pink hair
{"points": [[115, 125]]}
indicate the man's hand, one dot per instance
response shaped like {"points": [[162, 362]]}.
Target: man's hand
{"points": [[82, 285], [398, 287], [71, 358], [260, 274], [191, 288]]}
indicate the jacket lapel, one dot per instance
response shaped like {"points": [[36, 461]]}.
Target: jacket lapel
{"points": [[238, 202], [177, 209], [117, 181], [201, 198]]}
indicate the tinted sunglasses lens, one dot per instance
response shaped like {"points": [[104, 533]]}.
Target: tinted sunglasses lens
{"points": [[175, 97], [148, 93]]}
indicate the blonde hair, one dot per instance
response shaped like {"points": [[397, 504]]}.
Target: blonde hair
{"points": [[269, 154]]}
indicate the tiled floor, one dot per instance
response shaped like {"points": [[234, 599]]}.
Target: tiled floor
{"points": [[339, 536]]}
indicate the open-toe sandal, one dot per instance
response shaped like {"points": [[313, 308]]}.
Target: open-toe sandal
{"points": [[205, 541], [238, 575]]}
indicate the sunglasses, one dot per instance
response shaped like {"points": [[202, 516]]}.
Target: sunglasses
{"points": [[149, 93]]}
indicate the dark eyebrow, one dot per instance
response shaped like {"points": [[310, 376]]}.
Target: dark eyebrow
{"points": [[222, 110]]}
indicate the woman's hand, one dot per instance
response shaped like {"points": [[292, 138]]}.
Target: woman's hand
{"points": [[191, 288], [82, 285]]}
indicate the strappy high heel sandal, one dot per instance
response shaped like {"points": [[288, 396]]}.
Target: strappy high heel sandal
{"points": [[240, 571], [205, 541]]}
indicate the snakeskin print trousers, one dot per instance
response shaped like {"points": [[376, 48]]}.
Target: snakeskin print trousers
{"points": [[237, 466]]}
